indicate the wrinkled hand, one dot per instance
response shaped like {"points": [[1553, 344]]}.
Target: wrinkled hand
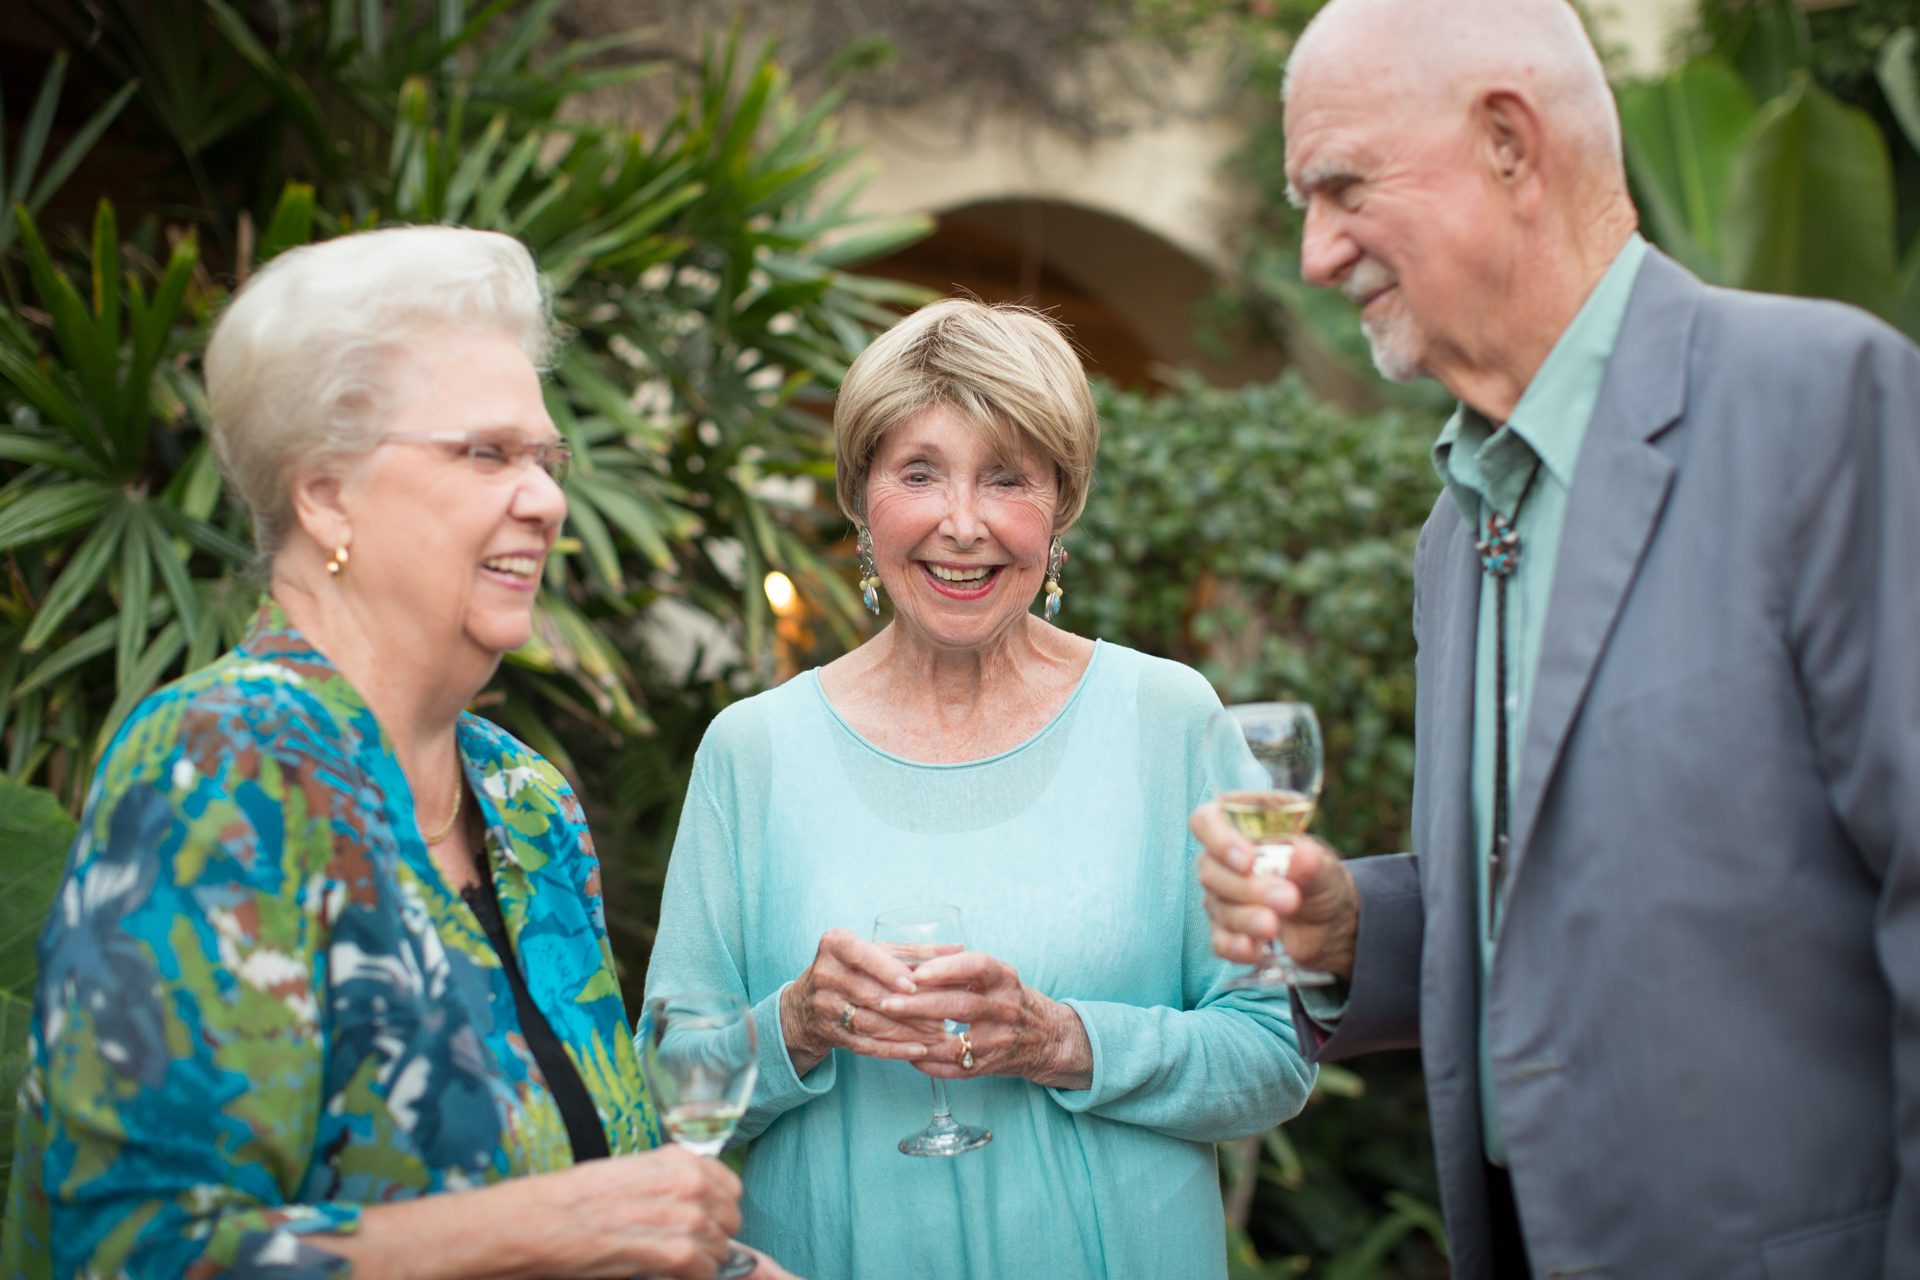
{"points": [[667, 1213], [1014, 1030], [849, 971], [1314, 910]]}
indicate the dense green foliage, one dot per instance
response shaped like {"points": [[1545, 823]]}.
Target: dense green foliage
{"points": [[35, 832], [1752, 171], [698, 269], [1267, 540], [1788, 160], [692, 267]]}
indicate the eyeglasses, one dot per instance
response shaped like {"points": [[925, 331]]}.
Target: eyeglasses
{"points": [[492, 455]]}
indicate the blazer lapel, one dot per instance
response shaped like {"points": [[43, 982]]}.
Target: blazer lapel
{"points": [[1454, 626], [1619, 489]]}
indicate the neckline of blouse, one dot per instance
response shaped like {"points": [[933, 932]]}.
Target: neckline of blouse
{"points": [[1053, 722]]}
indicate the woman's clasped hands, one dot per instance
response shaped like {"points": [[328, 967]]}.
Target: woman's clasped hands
{"points": [[858, 996]]}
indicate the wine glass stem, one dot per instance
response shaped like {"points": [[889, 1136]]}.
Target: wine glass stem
{"points": [[940, 1110]]}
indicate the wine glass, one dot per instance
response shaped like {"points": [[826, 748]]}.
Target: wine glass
{"points": [[915, 935], [1265, 758], [697, 1052]]}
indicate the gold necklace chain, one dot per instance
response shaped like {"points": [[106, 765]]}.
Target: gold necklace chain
{"points": [[459, 786]]}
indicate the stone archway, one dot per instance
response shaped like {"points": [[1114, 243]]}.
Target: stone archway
{"points": [[1133, 300]]}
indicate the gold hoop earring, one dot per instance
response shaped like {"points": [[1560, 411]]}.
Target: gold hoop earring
{"points": [[337, 562]]}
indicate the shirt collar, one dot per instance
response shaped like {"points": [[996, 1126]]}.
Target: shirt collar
{"points": [[1480, 461]]}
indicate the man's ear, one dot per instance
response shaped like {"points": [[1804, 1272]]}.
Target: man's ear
{"points": [[319, 496], [1511, 139]]}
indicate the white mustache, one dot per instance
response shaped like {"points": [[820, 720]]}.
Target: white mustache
{"points": [[1367, 279]]}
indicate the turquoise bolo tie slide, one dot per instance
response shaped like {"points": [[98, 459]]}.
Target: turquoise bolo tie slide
{"points": [[1500, 549]]}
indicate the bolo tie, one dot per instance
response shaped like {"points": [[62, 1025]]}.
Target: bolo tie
{"points": [[1499, 550]]}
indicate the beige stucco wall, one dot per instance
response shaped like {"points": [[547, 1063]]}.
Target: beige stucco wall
{"points": [[1167, 178]]}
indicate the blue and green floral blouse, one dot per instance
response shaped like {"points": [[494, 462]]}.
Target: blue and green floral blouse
{"points": [[260, 1008]]}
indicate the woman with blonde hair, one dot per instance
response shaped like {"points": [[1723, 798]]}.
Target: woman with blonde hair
{"points": [[974, 754]]}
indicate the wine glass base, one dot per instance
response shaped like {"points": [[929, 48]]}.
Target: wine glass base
{"points": [[738, 1263], [1268, 977], [945, 1139]]}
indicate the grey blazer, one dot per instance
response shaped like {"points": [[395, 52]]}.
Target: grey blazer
{"points": [[1704, 1002]]}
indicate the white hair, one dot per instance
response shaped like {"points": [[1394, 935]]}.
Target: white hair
{"points": [[1463, 47], [297, 366]]}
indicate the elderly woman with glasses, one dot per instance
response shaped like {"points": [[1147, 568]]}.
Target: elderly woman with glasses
{"points": [[975, 755], [327, 986]]}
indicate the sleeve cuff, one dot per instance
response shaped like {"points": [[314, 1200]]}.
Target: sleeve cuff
{"points": [[781, 1088], [1079, 1100], [1325, 1005]]}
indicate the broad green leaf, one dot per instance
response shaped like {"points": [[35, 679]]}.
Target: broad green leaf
{"points": [[154, 325], [104, 277], [96, 641], [875, 240], [1810, 206], [1681, 133], [17, 446], [286, 86], [173, 570], [620, 507], [1899, 74], [1906, 313], [489, 209], [473, 167], [136, 592], [92, 357], [596, 543], [25, 750], [143, 679], [81, 575], [1774, 49], [205, 536], [52, 511], [33, 135], [53, 402], [291, 224], [35, 834], [68, 160]]}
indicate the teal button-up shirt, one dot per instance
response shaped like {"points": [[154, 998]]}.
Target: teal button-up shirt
{"points": [[1487, 468]]}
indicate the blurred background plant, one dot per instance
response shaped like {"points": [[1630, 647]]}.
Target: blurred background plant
{"points": [[1266, 538]]}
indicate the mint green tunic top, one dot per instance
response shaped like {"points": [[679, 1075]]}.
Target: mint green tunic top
{"points": [[1069, 858]]}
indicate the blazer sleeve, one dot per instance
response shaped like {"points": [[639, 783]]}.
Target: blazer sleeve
{"points": [[1382, 1008], [1853, 620]]}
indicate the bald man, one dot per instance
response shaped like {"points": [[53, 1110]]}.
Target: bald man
{"points": [[1658, 938]]}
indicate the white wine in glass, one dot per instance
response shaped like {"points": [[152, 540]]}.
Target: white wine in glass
{"points": [[697, 1052], [915, 935], [1266, 762]]}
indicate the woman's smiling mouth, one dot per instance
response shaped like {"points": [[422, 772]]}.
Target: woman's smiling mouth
{"points": [[962, 582]]}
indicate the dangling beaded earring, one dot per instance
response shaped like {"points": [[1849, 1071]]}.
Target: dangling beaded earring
{"points": [[869, 576], [1056, 560], [337, 562]]}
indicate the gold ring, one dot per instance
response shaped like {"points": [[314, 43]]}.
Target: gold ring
{"points": [[966, 1052], [846, 1019]]}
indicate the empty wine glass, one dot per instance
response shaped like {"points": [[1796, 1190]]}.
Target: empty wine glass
{"points": [[915, 935], [1265, 758], [697, 1051]]}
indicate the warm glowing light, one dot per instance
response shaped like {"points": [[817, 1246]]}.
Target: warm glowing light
{"points": [[780, 593]]}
